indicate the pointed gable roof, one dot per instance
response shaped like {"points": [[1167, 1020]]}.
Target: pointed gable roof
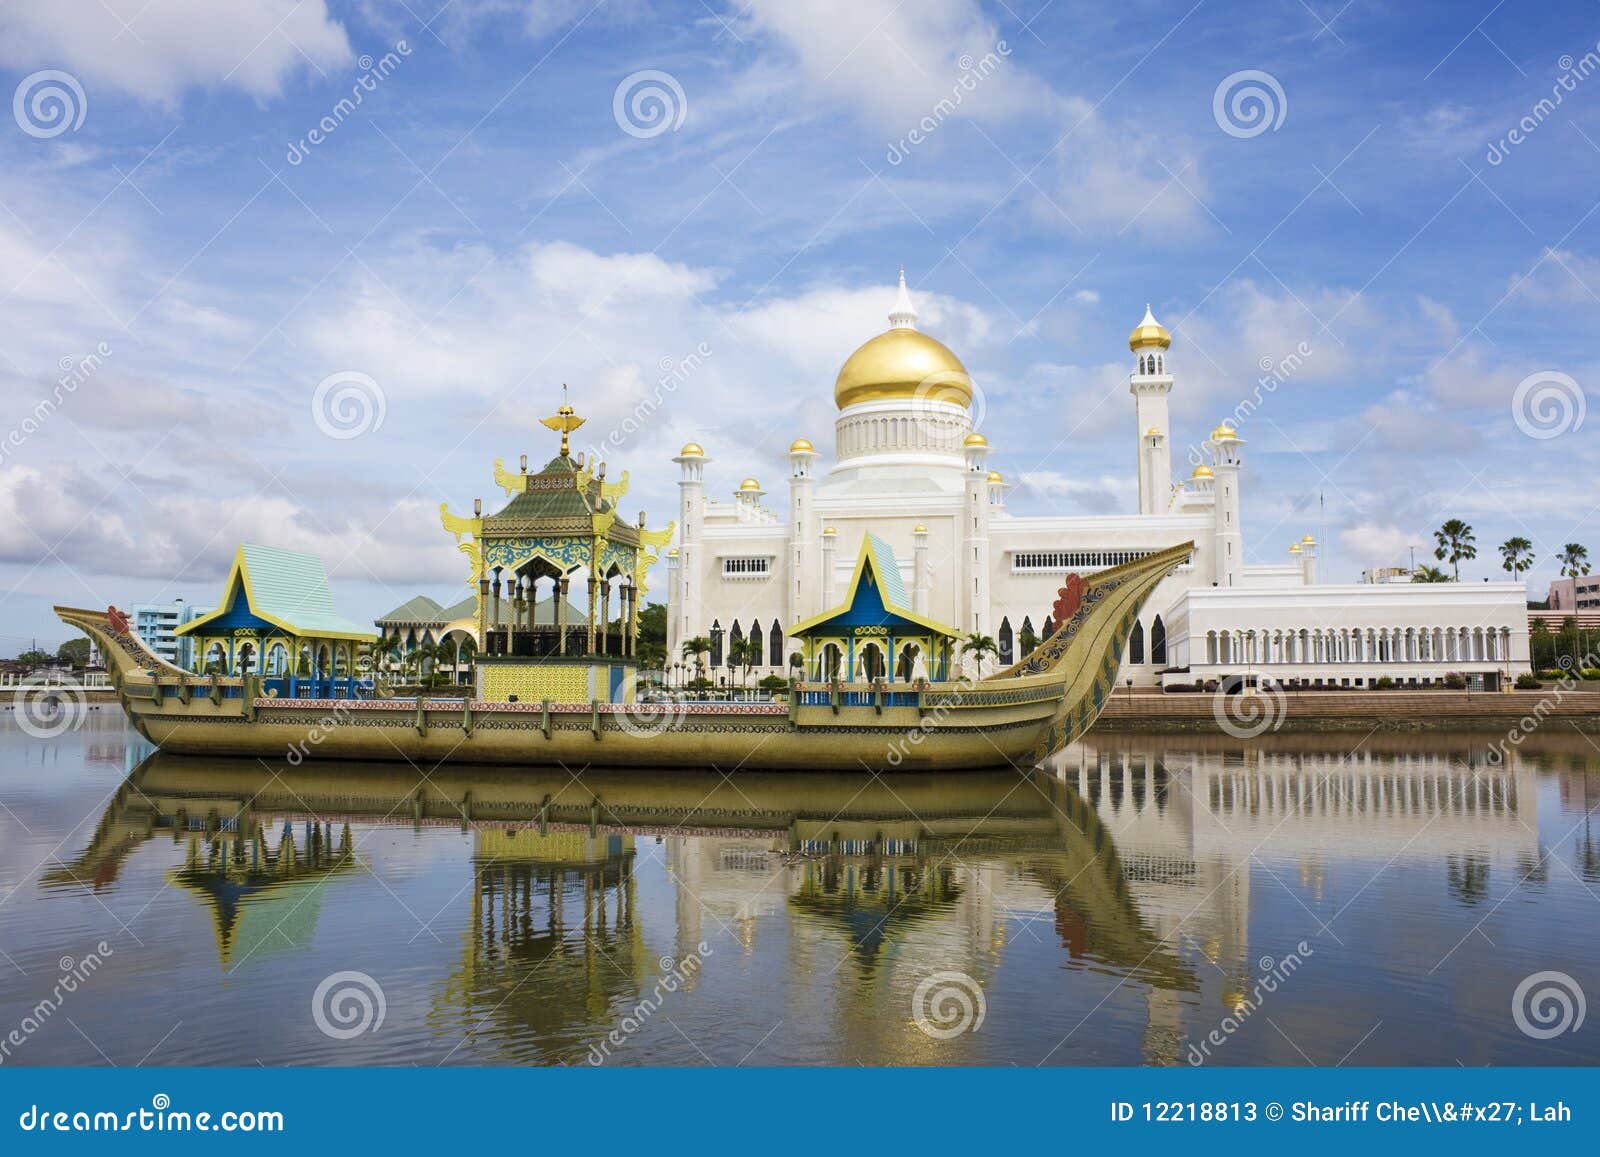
{"points": [[421, 609], [286, 588], [876, 594]]}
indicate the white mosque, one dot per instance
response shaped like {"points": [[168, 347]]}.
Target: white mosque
{"points": [[912, 471]]}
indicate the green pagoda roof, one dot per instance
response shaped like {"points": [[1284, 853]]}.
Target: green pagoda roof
{"points": [[287, 588]]}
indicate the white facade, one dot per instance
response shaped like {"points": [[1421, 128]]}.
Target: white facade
{"points": [[911, 469]]}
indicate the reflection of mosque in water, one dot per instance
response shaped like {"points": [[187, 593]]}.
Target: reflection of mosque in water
{"points": [[1133, 856]]}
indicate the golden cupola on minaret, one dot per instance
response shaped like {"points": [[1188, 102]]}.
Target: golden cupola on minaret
{"points": [[902, 362]]}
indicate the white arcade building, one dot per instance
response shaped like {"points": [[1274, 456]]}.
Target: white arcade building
{"points": [[912, 470]]}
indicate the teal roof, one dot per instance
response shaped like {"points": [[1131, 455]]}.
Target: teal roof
{"points": [[293, 586], [287, 588], [421, 609], [888, 571]]}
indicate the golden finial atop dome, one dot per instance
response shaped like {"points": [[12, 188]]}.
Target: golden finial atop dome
{"points": [[801, 446], [1149, 333], [691, 450], [565, 420]]}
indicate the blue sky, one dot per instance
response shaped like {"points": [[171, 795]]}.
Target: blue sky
{"points": [[484, 226]]}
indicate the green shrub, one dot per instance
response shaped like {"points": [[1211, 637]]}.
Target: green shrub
{"points": [[1455, 682], [1383, 683], [1526, 682]]}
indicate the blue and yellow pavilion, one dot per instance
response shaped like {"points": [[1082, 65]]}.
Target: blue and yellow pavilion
{"points": [[874, 635], [277, 619]]}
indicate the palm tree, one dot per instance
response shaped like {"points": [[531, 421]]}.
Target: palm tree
{"points": [[1455, 543], [979, 646], [1026, 642], [468, 652], [696, 650], [1518, 555], [1429, 574], [1574, 560]]}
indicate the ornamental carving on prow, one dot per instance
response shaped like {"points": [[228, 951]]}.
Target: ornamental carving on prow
{"points": [[1068, 599]]}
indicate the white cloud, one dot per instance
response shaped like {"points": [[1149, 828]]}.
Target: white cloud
{"points": [[154, 49]]}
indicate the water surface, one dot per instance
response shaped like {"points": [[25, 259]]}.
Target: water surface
{"points": [[1304, 900]]}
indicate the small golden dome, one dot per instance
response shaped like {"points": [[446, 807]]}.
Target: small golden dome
{"points": [[673, 553], [1153, 432], [1149, 333], [749, 485], [1309, 541], [1202, 471], [902, 363], [919, 529], [1225, 433], [801, 446], [975, 439], [994, 476], [829, 531], [691, 450], [1294, 548]]}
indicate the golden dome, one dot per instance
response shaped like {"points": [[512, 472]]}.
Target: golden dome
{"points": [[1294, 548], [1202, 471], [1153, 432], [801, 446], [691, 450], [975, 439], [1309, 541], [828, 530], [994, 476], [902, 363], [1149, 333], [673, 553], [919, 529], [1225, 433], [748, 485]]}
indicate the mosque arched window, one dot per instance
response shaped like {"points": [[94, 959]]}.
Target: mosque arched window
{"points": [[775, 646], [1136, 643], [735, 643], [756, 639], [716, 644], [1158, 642], [1004, 639]]}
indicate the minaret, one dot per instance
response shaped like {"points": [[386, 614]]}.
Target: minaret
{"points": [[802, 599], [691, 520], [1229, 540], [973, 603], [1308, 560], [1150, 384]]}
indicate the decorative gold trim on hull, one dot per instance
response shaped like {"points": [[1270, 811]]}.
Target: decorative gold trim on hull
{"points": [[1013, 718]]}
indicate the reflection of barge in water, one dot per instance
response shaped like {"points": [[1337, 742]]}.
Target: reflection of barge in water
{"points": [[1013, 717]]}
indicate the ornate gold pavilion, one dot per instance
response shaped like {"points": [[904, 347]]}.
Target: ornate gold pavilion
{"points": [[561, 523]]}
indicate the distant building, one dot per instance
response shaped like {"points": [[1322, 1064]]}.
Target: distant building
{"points": [[1387, 574], [155, 624], [1575, 594]]}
